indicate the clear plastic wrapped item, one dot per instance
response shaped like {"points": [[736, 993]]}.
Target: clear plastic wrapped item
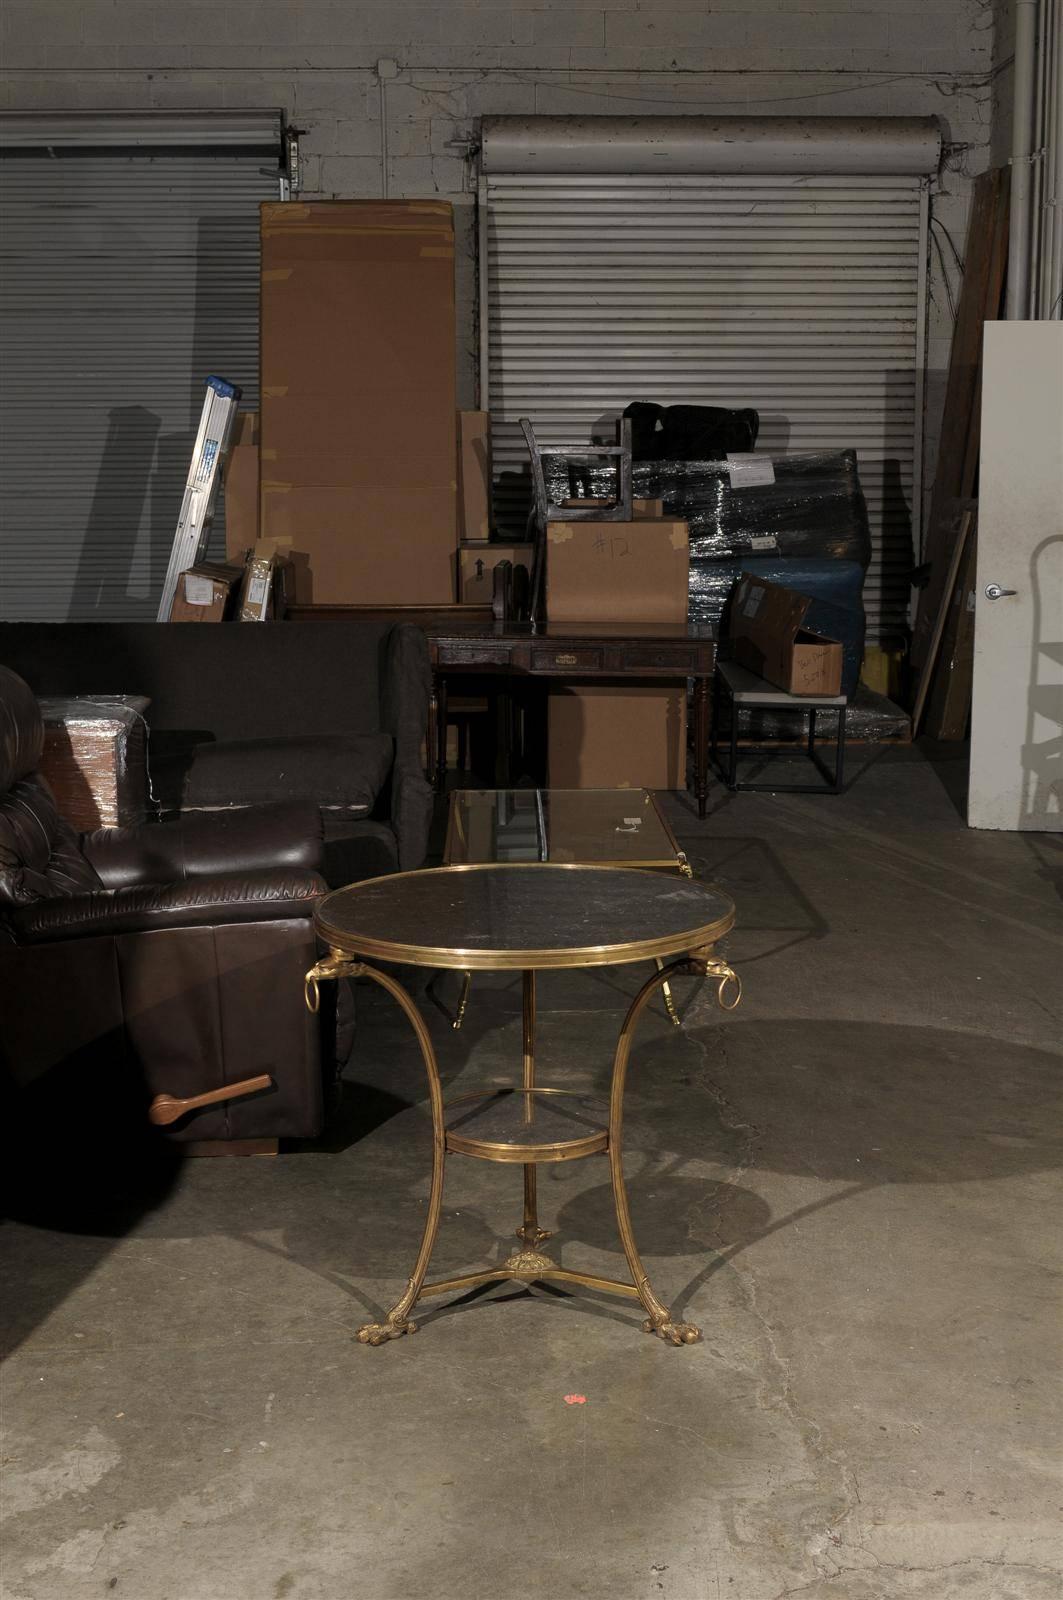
{"points": [[95, 758], [814, 508]]}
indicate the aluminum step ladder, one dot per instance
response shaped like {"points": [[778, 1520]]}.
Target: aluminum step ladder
{"points": [[201, 491]]}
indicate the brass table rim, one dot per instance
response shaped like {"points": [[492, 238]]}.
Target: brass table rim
{"points": [[589, 1144], [352, 943]]}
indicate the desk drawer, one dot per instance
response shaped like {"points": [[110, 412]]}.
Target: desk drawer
{"points": [[556, 659], [456, 653], [676, 658]]}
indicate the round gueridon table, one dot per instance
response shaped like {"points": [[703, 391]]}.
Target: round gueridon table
{"points": [[531, 918]]}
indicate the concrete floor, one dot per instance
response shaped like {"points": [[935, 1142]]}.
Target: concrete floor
{"points": [[848, 1183]]}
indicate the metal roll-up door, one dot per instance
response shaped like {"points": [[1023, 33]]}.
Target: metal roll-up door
{"points": [[127, 275], [799, 294]]}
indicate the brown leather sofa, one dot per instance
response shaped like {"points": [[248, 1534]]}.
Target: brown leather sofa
{"points": [[334, 711], [161, 960]]}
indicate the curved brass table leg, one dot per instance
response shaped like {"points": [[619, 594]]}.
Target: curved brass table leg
{"points": [[659, 1320], [397, 1322], [666, 995], [463, 1000]]}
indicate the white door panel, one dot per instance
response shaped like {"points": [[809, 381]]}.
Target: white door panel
{"points": [[1017, 706]]}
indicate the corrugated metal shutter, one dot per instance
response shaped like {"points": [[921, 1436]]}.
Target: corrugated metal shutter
{"points": [[798, 295], [125, 278]]}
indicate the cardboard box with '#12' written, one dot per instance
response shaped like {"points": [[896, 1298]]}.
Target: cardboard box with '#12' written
{"points": [[617, 571], [618, 735]]}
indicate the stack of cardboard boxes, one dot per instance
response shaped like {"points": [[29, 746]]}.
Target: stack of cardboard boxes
{"points": [[627, 575], [357, 481]]}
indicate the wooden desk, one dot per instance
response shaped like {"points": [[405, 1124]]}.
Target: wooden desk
{"points": [[465, 640], [427, 617], [574, 652]]}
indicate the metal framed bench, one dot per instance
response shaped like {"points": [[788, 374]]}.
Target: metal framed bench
{"points": [[742, 690]]}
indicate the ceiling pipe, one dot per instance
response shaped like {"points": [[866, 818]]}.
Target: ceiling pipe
{"points": [[1053, 223], [1023, 86], [1039, 172], [701, 144]]}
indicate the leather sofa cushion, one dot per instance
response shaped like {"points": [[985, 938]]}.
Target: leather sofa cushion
{"points": [[203, 845], [343, 772], [39, 853]]}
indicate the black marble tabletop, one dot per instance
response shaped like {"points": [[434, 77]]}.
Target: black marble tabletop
{"points": [[538, 915]]}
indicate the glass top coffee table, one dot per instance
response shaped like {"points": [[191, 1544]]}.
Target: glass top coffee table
{"points": [[530, 917], [614, 827], [586, 827]]}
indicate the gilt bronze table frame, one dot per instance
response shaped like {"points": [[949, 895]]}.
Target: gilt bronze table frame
{"points": [[676, 861], [692, 952]]}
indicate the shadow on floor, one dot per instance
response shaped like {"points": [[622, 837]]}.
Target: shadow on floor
{"points": [[950, 764], [861, 1105], [853, 1104]]}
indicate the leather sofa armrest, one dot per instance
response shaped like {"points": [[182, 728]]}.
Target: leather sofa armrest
{"points": [[285, 836], [412, 805], [142, 908], [406, 690]]}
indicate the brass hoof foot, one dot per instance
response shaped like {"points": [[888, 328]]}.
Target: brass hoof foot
{"points": [[529, 1264], [533, 1236], [381, 1332], [673, 1332]]}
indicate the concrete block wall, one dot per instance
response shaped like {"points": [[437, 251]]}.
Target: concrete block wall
{"points": [[458, 59], [1003, 80]]}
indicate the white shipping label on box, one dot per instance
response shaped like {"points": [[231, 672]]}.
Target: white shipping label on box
{"points": [[748, 470], [752, 603], [199, 591], [257, 590]]}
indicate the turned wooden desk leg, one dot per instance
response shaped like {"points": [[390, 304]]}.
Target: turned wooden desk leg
{"points": [[701, 743], [441, 732]]}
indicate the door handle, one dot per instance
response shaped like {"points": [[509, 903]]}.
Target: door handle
{"points": [[993, 591]]}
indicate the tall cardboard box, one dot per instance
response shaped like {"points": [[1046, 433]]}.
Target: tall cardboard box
{"points": [[474, 474], [241, 488], [617, 736], [358, 423]]}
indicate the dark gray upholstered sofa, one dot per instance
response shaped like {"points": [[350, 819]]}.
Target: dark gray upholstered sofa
{"points": [[242, 714]]}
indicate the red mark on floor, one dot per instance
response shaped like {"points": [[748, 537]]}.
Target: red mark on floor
{"points": [[575, 1399]]}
